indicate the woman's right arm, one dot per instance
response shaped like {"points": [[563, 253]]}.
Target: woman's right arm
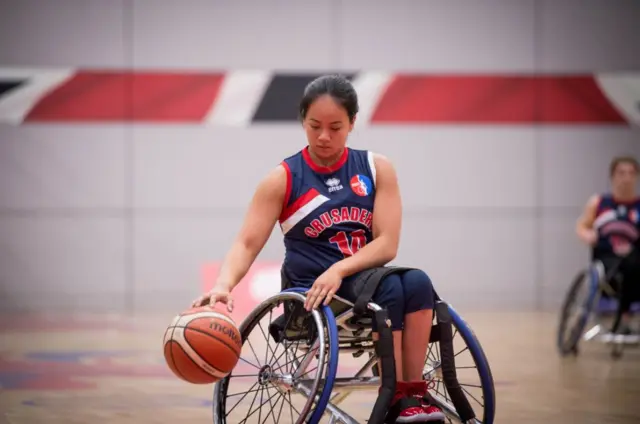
{"points": [[262, 215], [584, 225]]}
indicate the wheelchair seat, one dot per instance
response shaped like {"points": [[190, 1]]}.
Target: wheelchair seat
{"points": [[300, 324]]}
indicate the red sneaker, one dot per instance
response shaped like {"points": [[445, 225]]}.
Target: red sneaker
{"points": [[410, 410], [405, 408], [419, 390], [433, 413]]}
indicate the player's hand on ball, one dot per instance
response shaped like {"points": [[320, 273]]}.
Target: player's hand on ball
{"points": [[214, 296], [323, 289]]}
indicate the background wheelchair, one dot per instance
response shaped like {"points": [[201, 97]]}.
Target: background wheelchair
{"points": [[593, 302], [300, 367]]}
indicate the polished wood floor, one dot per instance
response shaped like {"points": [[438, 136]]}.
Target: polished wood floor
{"points": [[105, 369]]}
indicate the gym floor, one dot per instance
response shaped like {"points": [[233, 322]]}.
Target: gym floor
{"points": [[110, 369]]}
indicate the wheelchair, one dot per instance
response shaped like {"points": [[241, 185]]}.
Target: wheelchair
{"points": [[300, 367], [593, 302]]}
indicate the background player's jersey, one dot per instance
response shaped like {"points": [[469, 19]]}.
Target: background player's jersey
{"points": [[614, 217], [328, 212]]}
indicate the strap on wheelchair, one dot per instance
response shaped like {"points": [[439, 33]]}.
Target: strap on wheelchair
{"points": [[384, 350], [365, 286], [449, 376], [367, 283]]}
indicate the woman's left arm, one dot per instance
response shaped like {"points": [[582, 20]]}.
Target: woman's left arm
{"points": [[386, 223]]}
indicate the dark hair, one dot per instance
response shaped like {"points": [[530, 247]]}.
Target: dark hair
{"points": [[622, 159], [336, 86]]}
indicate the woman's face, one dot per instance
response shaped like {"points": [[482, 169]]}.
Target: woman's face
{"points": [[625, 177], [327, 126]]}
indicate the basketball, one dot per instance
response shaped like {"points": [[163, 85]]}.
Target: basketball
{"points": [[202, 345]]}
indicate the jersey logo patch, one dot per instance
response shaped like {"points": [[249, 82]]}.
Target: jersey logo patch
{"points": [[333, 184], [361, 185], [622, 211]]}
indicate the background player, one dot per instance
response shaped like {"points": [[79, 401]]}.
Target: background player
{"points": [[608, 214], [340, 212]]}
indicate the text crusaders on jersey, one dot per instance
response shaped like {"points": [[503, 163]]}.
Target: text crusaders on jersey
{"points": [[328, 211]]}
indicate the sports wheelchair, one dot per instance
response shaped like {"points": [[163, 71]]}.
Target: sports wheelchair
{"points": [[593, 300], [291, 364]]}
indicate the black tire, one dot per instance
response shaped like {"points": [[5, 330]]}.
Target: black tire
{"points": [[317, 320], [569, 338]]}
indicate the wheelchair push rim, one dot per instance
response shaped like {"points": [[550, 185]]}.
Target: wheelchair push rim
{"points": [[271, 384]]}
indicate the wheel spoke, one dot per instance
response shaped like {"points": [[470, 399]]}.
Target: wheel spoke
{"points": [[274, 386]]}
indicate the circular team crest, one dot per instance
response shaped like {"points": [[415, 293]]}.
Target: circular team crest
{"points": [[361, 185]]}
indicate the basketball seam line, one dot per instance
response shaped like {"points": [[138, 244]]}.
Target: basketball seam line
{"points": [[208, 334], [173, 360], [207, 314], [192, 361]]}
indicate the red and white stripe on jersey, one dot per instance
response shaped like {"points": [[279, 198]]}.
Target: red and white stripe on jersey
{"points": [[300, 209], [604, 217]]}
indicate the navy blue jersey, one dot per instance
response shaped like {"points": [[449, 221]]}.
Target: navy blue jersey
{"points": [[614, 217], [328, 212]]}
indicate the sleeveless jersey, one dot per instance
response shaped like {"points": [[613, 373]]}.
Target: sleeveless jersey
{"points": [[327, 213], [614, 217]]}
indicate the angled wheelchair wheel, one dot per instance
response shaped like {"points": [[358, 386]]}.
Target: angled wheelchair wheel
{"points": [[577, 309], [287, 366], [470, 367]]}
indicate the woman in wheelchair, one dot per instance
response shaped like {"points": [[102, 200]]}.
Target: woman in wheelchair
{"points": [[610, 225], [340, 211]]}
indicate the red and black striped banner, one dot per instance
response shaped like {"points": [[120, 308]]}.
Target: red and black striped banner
{"points": [[282, 96], [241, 98]]}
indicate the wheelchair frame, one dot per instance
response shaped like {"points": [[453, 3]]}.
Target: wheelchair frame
{"points": [[598, 282], [340, 318]]}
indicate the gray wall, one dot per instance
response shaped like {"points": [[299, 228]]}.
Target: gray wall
{"points": [[120, 217]]}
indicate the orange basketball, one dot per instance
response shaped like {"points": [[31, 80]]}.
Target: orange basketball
{"points": [[202, 345]]}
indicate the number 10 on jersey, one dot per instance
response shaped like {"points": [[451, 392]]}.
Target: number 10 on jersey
{"points": [[349, 247]]}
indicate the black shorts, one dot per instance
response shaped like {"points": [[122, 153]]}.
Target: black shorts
{"points": [[629, 270]]}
